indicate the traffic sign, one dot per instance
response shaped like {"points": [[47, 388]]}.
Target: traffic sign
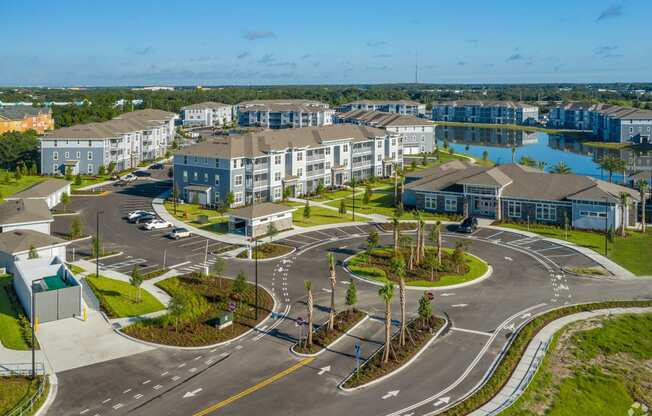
{"points": [[300, 321], [430, 295], [232, 306]]}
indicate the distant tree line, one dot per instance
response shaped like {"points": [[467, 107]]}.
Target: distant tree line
{"points": [[19, 149]]}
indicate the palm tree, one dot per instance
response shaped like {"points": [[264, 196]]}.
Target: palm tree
{"points": [[561, 167], [612, 164], [437, 231], [333, 282], [397, 229], [417, 215], [643, 187], [624, 201], [513, 153], [387, 293], [308, 285]]}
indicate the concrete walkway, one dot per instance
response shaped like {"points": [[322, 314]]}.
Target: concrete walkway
{"points": [[533, 357]]}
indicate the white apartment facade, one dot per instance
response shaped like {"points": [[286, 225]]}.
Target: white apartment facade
{"points": [[207, 114]]}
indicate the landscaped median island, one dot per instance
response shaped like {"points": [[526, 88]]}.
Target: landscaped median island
{"points": [[16, 391], [197, 309], [510, 360], [418, 333], [266, 251], [631, 252], [456, 267], [322, 337], [120, 299], [598, 366], [15, 328]]}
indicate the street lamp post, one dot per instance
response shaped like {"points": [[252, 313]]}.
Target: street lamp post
{"points": [[606, 226], [353, 186], [97, 243], [256, 276], [33, 333]]}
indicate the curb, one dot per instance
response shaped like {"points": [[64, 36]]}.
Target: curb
{"points": [[219, 344], [398, 370], [338, 339], [119, 253], [485, 276], [52, 395]]}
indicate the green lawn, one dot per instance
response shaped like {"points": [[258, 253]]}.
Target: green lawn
{"points": [[119, 299], [15, 390], [318, 216], [11, 333], [630, 252], [12, 186], [599, 371], [358, 265], [189, 213]]}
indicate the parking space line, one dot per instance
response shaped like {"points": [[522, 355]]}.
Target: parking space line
{"points": [[562, 255], [193, 243], [360, 229]]}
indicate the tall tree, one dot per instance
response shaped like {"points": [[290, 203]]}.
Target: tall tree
{"points": [[387, 294], [351, 294], [309, 304], [372, 240], [136, 281], [333, 282], [624, 202], [643, 188], [612, 164], [435, 238], [65, 200], [397, 231], [398, 269], [425, 309]]}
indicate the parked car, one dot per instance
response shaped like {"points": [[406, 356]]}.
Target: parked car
{"points": [[137, 213], [156, 166], [179, 233], [468, 225], [143, 218], [156, 224], [130, 177], [141, 174]]}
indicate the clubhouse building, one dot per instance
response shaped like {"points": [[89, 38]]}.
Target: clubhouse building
{"points": [[518, 193]]}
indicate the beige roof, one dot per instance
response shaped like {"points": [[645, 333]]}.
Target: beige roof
{"points": [[522, 183], [206, 104], [18, 241], [41, 189], [405, 102], [259, 210], [24, 211], [124, 123], [266, 141], [282, 105], [484, 103], [382, 119], [20, 112]]}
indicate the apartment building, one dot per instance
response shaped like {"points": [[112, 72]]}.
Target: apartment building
{"points": [[418, 134], [259, 166], [281, 114], [126, 140], [403, 107], [609, 123], [22, 118], [518, 193], [206, 114], [487, 112]]}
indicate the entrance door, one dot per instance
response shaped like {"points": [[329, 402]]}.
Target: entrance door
{"points": [[484, 207]]}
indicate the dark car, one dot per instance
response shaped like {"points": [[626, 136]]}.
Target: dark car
{"points": [[156, 166], [141, 173], [141, 219], [468, 225]]}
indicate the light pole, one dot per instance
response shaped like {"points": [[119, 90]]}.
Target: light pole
{"points": [[256, 276], [353, 184], [97, 243], [33, 333], [606, 226]]}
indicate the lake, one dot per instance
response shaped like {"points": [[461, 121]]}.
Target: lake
{"points": [[542, 147]]}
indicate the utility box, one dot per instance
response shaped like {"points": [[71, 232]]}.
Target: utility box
{"points": [[223, 320], [202, 219]]}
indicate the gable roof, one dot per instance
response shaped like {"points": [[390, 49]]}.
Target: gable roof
{"points": [[484, 103], [259, 210], [18, 241], [24, 211], [41, 189], [282, 105], [390, 102], [206, 104], [383, 119], [20, 112]]}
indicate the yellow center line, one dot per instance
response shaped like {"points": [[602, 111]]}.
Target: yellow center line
{"points": [[255, 387]]}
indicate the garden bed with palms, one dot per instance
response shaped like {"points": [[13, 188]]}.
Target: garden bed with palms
{"points": [[456, 266], [267, 251], [323, 337], [197, 302], [418, 333], [120, 299]]}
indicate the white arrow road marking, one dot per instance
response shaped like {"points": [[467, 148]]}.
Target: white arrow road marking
{"points": [[326, 290], [460, 305], [192, 393], [84, 411], [509, 258], [345, 282], [447, 294], [117, 406], [510, 327], [389, 394], [525, 316], [443, 400], [324, 370], [138, 396]]}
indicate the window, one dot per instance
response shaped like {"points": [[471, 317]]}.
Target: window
{"points": [[299, 172], [55, 168], [237, 180], [89, 168], [328, 149], [78, 155], [450, 204], [327, 165], [593, 214], [277, 159], [379, 158], [379, 144], [546, 212], [513, 209], [430, 202], [206, 177], [195, 176], [67, 155], [277, 176], [345, 148], [393, 142], [235, 163], [185, 176], [300, 156], [89, 155], [237, 198], [299, 189], [55, 155], [277, 193], [217, 179], [217, 163]]}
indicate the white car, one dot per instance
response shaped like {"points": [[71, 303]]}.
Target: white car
{"points": [[156, 225], [179, 233], [133, 214], [129, 177]]}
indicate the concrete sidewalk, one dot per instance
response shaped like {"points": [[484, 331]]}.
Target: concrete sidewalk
{"points": [[533, 357]]}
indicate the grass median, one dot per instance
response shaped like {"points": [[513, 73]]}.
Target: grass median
{"points": [[15, 328], [119, 299], [18, 390]]}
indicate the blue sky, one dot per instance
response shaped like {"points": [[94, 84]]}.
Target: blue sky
{"points": [[67, 42]]}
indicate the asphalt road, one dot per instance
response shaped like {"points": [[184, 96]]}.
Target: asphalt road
{"points": [[235, 379]]}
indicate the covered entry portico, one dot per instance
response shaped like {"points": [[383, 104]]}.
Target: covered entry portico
{"points": [[200, 194]]}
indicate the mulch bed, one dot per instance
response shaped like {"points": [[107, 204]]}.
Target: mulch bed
{"points": [[212, 298], [381, 258], [374, 368], [321, 338], [267, 251], [404, 226]]}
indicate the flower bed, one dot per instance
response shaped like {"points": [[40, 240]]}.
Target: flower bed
{"points": [[267, 251], [207, 298], [374, 368], [321, 338]]}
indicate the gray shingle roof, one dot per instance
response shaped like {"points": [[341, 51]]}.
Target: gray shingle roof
{"points": [[282, 105], [382, 119], [24, 210], [18, 241], [377, 102], [483, 103], [41, 189], [206, 104], [19, 112], [259, 210]]}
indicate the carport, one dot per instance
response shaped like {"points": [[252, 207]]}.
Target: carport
{"points": [[254, 220]]}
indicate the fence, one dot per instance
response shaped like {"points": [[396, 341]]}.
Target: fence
{"points": [[25, 369]]}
